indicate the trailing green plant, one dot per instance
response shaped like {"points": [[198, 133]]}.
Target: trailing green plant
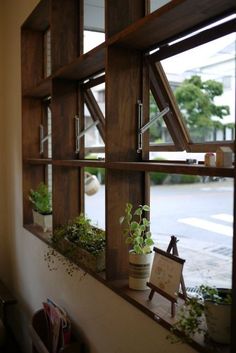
{"points": [[41, 199], [136, 232], [82, 233], [77, 233], [190, 319]]}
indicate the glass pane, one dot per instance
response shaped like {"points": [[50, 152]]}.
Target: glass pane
{"points": [[94, 24], [203, 223], [158, 132], [156, 4], [203, 81], [95, 195]]}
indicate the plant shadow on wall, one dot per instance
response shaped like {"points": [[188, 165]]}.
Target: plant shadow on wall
{"points": [[207, 315], [80, 243], [139, 239]]}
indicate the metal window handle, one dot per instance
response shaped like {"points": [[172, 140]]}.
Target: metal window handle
{"points": [[142, 129], [79, 134], [42, 138]]}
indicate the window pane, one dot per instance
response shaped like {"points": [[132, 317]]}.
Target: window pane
{"points": [[156, 4], [203, 81], [95, 196], [94, 24], [202, 222]]}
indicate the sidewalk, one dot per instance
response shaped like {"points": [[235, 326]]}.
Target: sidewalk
{"points": [[205, 263]]}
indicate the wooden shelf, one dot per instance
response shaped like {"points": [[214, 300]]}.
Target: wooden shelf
{"points": [[174, 168], [43, 89], [80, 163], [166, 23], [38, 161], [85, 66], [171, 167]]}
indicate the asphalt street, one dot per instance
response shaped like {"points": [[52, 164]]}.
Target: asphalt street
{"points": [[199, 215]]}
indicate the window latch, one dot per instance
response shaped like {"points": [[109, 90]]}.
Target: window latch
{"points": [[142, 129], [79, 134], [42, 138]]}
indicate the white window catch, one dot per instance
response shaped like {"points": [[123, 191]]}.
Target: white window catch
{"points": [[42, 138], [142, 129], [79, 134]]}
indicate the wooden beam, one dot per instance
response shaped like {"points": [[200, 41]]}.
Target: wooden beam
{"points": [[164, 96], [95, 111]]}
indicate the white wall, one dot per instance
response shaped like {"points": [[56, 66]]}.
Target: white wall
{"points": [[109, 324]]}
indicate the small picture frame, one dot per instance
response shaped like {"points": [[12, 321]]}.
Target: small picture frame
{"points": [[166, 274]]}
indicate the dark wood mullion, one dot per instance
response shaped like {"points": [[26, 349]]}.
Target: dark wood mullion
{"points": [[31, 58], [119, 14], [65, 32], [32, 176], [123, 76], [65, 179], [163, 95], [81, 154], [95, 111]]}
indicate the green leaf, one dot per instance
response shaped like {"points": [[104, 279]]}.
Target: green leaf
{"points": [[134, 225], [146, 208], [138, 212]]}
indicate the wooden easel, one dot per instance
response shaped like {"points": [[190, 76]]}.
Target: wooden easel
{"points": [[172, 250]]}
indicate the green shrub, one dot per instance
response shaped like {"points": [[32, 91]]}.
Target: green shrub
{"points": [[158, 178], [182, 179]]}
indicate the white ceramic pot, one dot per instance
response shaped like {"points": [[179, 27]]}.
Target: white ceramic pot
{"points": [[44, 221], [139, 270], [91, 184]]}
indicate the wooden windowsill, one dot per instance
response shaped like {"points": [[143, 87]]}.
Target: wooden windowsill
{"points": [[158, 309]]}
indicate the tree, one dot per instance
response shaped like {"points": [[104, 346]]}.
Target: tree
{"points": [[196, 102]]}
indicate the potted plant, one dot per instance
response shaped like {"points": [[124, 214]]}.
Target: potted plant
{"points": [[81, 242], [208, 314], [139, 239], [41, 200]]}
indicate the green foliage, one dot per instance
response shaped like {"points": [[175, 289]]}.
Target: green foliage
{"points": [[196, 101], [158, 178], [183, 179], [190, 315], [41, 199], [137, 232], [82, 234], [155, 129]]}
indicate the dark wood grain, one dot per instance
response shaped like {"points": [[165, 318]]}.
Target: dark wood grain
{"points": [[65, 180], [119, 14], [31, 58], [39, 18], [42, 89], [177, 18], [124, 76], [65, 32], [86, 65]]}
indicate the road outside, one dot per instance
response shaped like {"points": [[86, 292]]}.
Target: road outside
{"points": [[199, 215]]}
